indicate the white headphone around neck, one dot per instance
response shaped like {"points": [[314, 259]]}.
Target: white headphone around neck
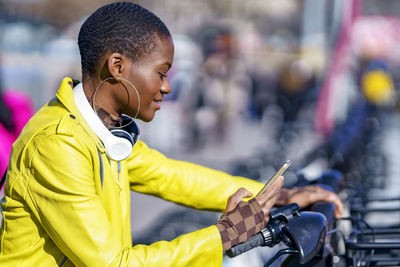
{"points": [[118, 142]]}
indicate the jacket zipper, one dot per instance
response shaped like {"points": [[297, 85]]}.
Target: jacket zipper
{"points": [[119, 169], [101, 168], [63, 261]]}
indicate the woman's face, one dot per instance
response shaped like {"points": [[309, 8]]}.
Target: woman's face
{"points": [[149, 76]]}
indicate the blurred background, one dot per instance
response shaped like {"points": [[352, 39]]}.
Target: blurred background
{"points": [[254, 83]]}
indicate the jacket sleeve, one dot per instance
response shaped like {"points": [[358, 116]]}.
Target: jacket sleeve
{"points": [[183, 182], [62, 196]]}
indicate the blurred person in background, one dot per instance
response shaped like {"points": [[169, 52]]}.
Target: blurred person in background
{"points": [[16, 108], [220, 91], [67, 192], [354, 138], [296, 89]]}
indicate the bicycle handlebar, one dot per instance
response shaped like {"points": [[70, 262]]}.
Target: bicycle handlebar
{"points": [[287, 224], [255, 241], [272, 234]]}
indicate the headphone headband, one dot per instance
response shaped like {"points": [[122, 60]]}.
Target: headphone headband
{"points": [[118, 147]]}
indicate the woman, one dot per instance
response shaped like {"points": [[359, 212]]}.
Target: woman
{"points": [[68, 185]]}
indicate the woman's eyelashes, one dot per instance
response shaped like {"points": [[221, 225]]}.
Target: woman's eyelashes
{"points": [[162, 75]]}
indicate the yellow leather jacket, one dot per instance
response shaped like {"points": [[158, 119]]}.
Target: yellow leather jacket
{"points": [[67, 204]]}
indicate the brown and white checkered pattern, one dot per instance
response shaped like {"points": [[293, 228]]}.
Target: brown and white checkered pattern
{"points": [[240, 224]]}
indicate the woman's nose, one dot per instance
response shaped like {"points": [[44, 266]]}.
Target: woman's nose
{"points": [[166, 87]]}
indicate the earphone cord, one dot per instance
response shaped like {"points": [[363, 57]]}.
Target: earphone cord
{"points": [[112, 78]]}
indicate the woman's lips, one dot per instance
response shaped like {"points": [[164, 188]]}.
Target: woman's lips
{"points": [[157, 103]]}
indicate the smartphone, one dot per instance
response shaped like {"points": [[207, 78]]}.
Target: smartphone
{"points": [[274, 177]]}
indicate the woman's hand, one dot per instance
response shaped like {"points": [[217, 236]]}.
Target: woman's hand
{"points": [[241, 220], [307, 195], [266, 200]]}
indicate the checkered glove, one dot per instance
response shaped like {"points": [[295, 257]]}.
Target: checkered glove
{"points": [[241, 223]]}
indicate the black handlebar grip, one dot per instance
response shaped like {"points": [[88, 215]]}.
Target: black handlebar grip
{"points": [[255, 241]]}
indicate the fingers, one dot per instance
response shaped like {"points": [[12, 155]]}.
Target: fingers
{"points": [[322, 194], [267, 199], [312, 194], [328, 196], [338, 205], [267, 206], [234, 200], [271, 192]]}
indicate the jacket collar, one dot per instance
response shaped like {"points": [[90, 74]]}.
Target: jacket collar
{"points": [[65, 94]]}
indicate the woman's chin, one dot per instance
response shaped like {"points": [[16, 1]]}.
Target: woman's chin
{"points": [[146, 118]]}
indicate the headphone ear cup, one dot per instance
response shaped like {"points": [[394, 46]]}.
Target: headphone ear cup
{"points": [[117, 148], [118, 132], [130, 131], [124, 139]]}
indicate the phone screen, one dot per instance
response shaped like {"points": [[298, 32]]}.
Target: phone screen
{"points": [[274, 177]]}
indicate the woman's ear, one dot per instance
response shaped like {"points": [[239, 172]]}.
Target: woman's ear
{"points": [[115, 64]]}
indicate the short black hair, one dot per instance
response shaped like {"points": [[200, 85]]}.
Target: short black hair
{"points": [[121, 27]]}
